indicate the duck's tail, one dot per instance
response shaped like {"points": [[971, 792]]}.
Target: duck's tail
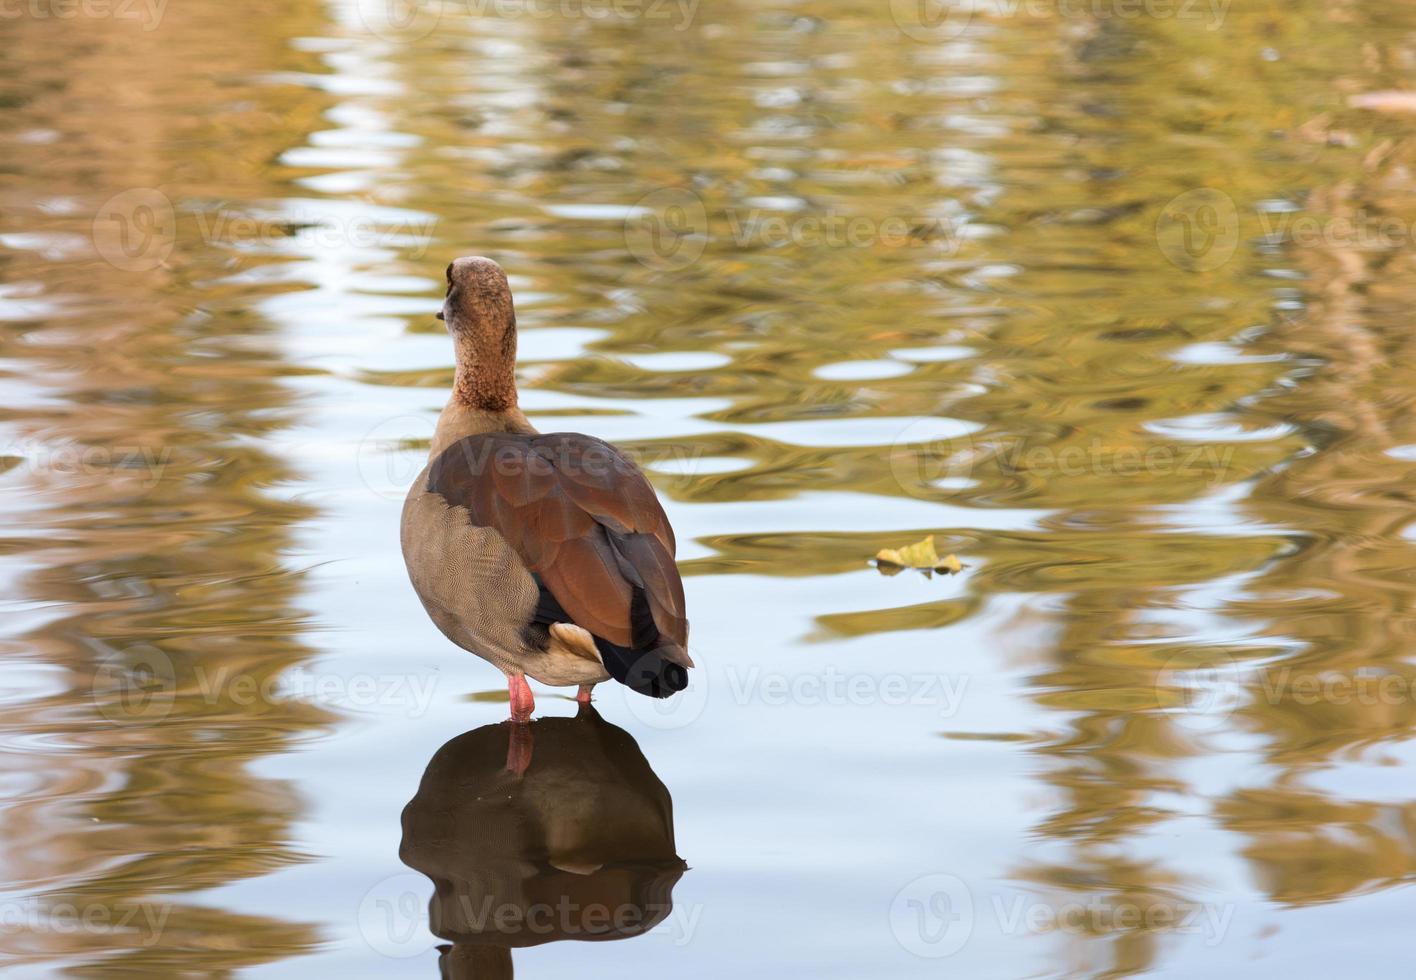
{"points": [[652, 665]]}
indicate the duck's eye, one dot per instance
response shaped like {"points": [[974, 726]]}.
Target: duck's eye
{"points": [[449, 275]]}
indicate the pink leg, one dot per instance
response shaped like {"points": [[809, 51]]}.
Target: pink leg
{"points": [[583, 695], [522, 703]]}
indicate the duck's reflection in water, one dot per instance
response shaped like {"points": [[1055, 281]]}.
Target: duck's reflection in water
{"points": [[580, 846]]}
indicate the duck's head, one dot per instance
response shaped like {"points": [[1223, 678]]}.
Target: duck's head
{"points": [[478, 299], [479, 314]]}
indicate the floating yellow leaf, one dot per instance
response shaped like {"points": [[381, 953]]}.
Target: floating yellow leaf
{"points": [[920, 555]]}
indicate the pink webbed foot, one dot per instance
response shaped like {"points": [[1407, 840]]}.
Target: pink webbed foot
{"points": [[583, 695], [522, 703]]}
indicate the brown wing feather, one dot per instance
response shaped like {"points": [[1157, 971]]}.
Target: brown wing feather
{"points": [[581, 516], [646, 555], [607, 485]]}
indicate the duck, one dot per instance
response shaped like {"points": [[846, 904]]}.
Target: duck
{"points": [[548, 555], [581, 847]]}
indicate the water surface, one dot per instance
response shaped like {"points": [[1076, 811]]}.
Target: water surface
{"points": [[1115, 307]]}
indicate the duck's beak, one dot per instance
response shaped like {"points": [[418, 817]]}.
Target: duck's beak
{"points": [[439, 315]]}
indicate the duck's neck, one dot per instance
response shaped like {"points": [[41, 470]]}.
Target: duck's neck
{"points": [[460, 420], [486, 366]]}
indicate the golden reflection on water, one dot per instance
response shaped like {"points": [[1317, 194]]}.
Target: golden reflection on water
{"points": [[1190, 487], [144, 551]]}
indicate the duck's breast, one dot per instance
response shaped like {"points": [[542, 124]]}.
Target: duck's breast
{"points": [[473, 585]]}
